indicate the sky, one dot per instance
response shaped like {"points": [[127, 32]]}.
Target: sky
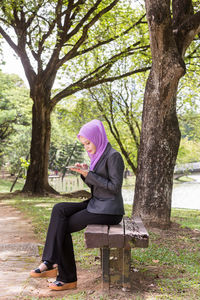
{"points": [[13, 64]]}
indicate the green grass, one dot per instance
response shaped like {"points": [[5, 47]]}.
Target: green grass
{"points": [[187, 217], [6, 184], [78, 296], [168, 269], [172, 259]]}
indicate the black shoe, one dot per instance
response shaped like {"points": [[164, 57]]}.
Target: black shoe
{"points": [[50, 271]]}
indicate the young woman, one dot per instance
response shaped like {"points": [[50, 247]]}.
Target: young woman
{"points": [[105, 206]]}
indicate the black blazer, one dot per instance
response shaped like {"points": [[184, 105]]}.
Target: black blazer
{"points": [[105, 182]]}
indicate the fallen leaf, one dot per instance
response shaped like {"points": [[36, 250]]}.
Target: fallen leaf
{"points": [[155, 261]]}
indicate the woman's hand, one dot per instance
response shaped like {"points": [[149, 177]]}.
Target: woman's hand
{"points": [[82, 166], [81, 169]]}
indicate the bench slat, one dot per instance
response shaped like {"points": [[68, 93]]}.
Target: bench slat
{"points": [[96, 236], [116, 236], [138, 222], [135, 233]]}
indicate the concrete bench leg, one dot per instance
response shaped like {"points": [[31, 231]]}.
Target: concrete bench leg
{"points": [[126, 268], [105, 266], [121, 265]]}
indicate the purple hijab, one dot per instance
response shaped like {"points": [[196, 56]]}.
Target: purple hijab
{"points": [[94, 131]]}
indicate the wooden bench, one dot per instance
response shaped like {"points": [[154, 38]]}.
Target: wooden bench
{"points": [[115, 262]]}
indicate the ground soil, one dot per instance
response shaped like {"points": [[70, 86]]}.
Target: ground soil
{"points": [[19, 254]]}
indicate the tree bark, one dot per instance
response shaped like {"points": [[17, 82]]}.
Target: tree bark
{"points": [[37, 174], [160, 134]]}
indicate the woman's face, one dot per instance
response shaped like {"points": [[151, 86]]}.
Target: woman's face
{"points": [[89, 146]]}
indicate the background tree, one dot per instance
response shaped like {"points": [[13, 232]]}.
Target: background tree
{"points": [[15, 120], [120, 105], [50, 35], [171, 33], [188, 111], [69, 154]]}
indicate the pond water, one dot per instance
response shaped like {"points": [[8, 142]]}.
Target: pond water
{"points": [[184, 195], [187, 194]]}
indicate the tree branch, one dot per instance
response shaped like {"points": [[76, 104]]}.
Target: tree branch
{"points": [[116, 135], [84, 19], [181, 9], [101, 70], [186, 24], [72, 52], [30, 73], [101, 43], [91, 82], [113, 127], [54, 58], [127, 112]]}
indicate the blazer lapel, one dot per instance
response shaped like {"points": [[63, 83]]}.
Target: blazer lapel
{"points": [[108, 147]]}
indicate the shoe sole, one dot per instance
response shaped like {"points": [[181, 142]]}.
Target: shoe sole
{"points": [[48, 273], [65, 286]]}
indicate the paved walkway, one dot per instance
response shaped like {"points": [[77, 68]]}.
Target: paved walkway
{"points": [[19, 254]]}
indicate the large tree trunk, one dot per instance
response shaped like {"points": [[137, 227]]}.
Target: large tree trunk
{"points": [[160, 135], [37, 175], [160, 139]]}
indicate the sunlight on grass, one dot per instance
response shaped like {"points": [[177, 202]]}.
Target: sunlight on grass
{"points": [[5, 185], [187, 217], [47, 205]]}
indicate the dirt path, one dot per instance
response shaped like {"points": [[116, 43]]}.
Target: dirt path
{"points": [[19, 254]]}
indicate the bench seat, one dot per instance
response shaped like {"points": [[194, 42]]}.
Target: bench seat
{"points": [[115, 243]]}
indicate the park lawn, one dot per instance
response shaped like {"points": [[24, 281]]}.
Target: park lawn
{"points": [[6, 184], [167, 269]]}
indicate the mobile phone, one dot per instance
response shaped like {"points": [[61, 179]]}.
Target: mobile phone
{"points": [[75, 167]]}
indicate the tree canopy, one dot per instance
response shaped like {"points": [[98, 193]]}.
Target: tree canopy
{"points": [[79, 42], [47, 35], [15, 119]]}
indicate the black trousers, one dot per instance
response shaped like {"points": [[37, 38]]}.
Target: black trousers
{"points": [[66, 218]]}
